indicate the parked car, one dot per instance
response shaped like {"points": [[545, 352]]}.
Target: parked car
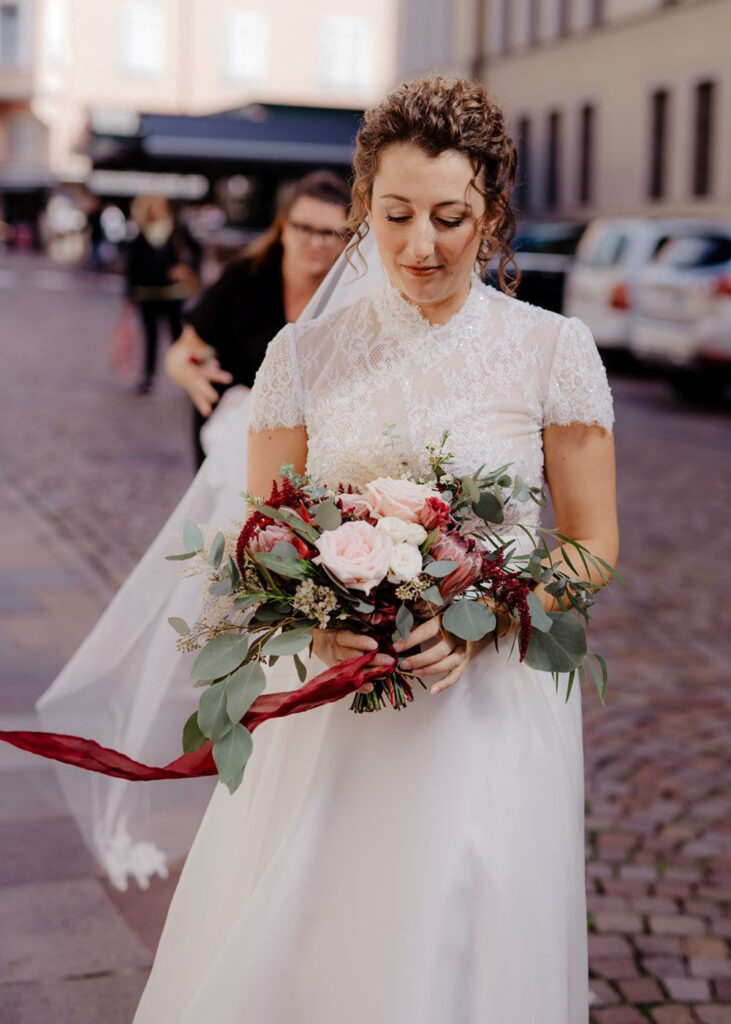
{"points": [[544, 252], [601, 286], [684, 310]]}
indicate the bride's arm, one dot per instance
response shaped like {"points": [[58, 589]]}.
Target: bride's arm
{"points": [[269, 450], [580, 473]]}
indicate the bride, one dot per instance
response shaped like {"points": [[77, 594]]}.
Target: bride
{"points": [[424, 867]]}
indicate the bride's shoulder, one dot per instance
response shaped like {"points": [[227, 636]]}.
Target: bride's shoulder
{"points": [[534, 326], [518, 313]]}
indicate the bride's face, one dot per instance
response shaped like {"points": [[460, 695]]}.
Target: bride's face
{"points": [[424, 211]]}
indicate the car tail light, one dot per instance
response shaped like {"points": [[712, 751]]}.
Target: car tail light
{"points": [[619, 297], [723, 286]]}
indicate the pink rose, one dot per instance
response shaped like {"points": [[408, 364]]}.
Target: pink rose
{"points": [[356, 504], [453, 548], [401, 498], [356, 553], [265, 539], [435, 512]]}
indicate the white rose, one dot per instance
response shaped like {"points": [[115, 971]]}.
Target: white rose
{"points": [[415, 534], [394, 528], [406, 563]]}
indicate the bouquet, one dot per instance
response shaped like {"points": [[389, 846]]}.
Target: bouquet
{"points": [[376, 561]]}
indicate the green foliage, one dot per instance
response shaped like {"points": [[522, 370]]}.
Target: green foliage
{"points": [[404, 621], [217, 548], [213, 720], [489, 508], [179, 625], [440, 569], [192, 537], [242, 688], [327, 515], [220, 656], [231, 754], [193, 738], [469, 620], [538, 617], [291, 641], [562, 648]]}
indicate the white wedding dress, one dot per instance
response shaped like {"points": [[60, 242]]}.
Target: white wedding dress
{"points": [[425, 866]]}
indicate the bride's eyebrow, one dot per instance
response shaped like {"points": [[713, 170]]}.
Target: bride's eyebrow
{"points": [[405, 199]]}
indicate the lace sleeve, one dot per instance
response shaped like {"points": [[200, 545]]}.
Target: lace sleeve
{"points": [[578, 391], [276, 398]]}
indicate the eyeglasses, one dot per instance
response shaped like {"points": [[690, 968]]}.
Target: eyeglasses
{"points": [[326, 235]]}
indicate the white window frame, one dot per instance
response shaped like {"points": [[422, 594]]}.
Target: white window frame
{"points": [[151, 30], [246, 46], [346, 53]]}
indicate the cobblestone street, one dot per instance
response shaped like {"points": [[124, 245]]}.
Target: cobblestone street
{"points": [[91, 471]]}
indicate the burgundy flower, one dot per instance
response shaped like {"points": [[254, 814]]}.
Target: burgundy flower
{"points": [[434, 513], [453, 548]]}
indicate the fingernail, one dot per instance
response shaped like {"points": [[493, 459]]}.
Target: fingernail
{"points": [[372, 644], [398, 646], [434, 689], [404, 663]]}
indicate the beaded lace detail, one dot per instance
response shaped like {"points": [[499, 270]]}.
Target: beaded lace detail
{"points": [[375, 382]]}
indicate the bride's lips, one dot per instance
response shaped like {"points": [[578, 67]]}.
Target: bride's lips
{"points": [[420, 271]]}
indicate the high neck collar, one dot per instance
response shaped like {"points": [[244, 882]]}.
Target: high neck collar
{"points": [[398, 310]]}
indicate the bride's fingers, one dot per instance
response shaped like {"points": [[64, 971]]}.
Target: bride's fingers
{"points": [[355, 641], [428, 657], [445, 665], [449, 680]]}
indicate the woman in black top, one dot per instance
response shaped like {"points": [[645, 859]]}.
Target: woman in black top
{"points": [[162, 265], [230, 327]]}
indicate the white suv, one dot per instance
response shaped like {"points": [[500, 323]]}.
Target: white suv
{"points": [[684, 309], [600, 288]]}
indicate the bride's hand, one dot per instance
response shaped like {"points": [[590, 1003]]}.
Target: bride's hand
{"points": [[332, 646], [449, 654]]}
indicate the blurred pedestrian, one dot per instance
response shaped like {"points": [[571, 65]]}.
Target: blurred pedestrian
{"points": [[227, 332], [162, 270]]}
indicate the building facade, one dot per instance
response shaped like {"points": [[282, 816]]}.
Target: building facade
{"points": [[620, 106], [62, 59]]}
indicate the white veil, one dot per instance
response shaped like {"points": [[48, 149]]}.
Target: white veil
{"points": [[127, 687]]}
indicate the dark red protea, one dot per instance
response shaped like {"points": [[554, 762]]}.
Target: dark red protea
{"points": [[284, 496], [451, 547]]}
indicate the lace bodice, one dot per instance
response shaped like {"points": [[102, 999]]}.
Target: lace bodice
{"points": [[375, 382]]}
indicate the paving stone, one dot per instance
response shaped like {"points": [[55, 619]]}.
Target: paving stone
{"points": [[35, 923], [641, 991], [714, 1014], [602, 993], [704, 967], [107, 999], [688, 990], [676, 924], [618, 921], [614, 967], [706, 946], [665, 966], [609, 945], [42, 850], [658, 944], [673, 1015], [619, 1015]]}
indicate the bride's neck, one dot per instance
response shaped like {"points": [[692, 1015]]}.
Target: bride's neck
{"points": [[439, 312]]}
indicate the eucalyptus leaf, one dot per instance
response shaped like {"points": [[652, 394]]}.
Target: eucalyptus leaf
{"points": [[441, 568], [220, 656], [301, 668], [469, 620], [432, 595], [242, 688], [213, 720], [193, 738], [292, 641], [562, 648], [222, 588], [179, 625], [430, 539], [470, 488], [217, 548], [181, 558], [489, 508], [327, 515], [271, 612], [538, 616], [282, 566], [192, 537], [233, 571], [364, 607], [404, 621], [231, 754], [248, 600]]}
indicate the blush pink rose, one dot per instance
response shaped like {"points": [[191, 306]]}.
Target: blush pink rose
{"points": [[356, 553], [453, 548], [265, 539], [356, 504], [401, 498]]}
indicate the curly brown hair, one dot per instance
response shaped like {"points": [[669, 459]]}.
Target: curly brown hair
{"points": [[438, 114]]}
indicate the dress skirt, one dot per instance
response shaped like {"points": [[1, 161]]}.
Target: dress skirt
{"points": [[424, 866]]}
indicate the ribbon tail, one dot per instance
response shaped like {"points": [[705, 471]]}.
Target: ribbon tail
{"points": [[330, 685]]}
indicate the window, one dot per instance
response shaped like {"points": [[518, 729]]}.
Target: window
{"points": [[596, 12], [522, 173], [703, 143], [246, 45], [533, 19], [346, 52], [586, 155], [553, 160], [606, 251], [506, 25], [57, 33], [142, 39], [9, 35], [658, 143], [695, 251], [564, 17]]}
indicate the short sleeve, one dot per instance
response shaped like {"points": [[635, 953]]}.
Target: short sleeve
{"points": [[578, 390], [276, 398]]}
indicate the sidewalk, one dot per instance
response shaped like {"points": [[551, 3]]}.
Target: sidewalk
{"points": [[50, 888]]}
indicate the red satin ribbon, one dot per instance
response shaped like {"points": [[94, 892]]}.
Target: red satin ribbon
{"points": [[329, 686]]}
